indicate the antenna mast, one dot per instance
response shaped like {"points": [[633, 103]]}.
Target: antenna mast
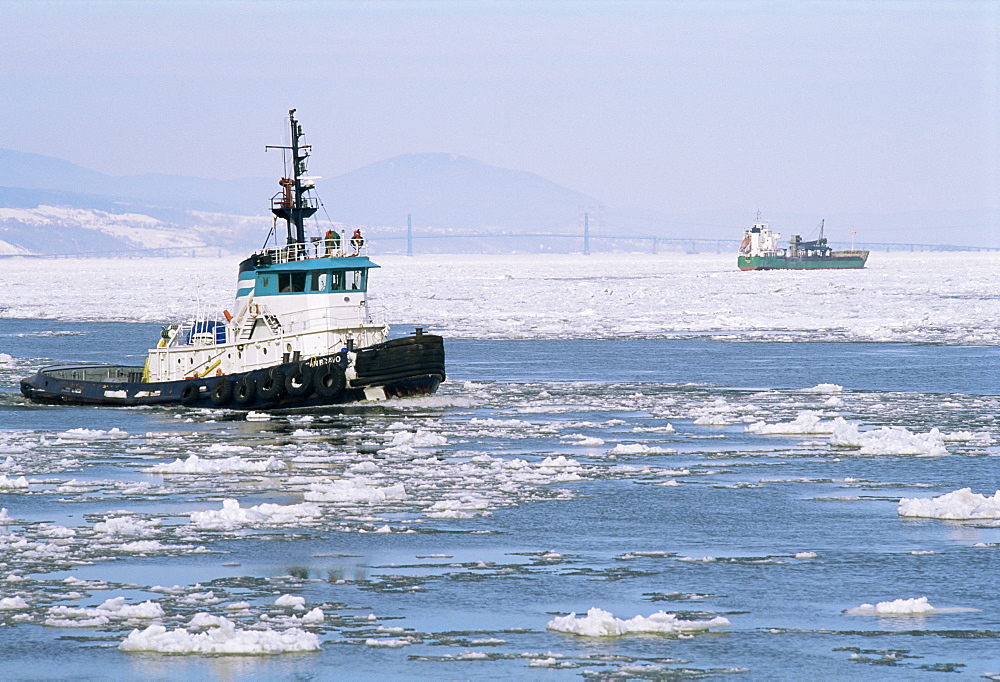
{"points": [[292, 204]]}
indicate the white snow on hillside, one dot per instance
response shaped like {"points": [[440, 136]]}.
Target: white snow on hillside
{"points": [[141, 230], [8, 249], [951, 298]]}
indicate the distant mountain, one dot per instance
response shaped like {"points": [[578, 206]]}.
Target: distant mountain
{"points": [[48, 205], [451, 192], [36, 172], [446, 193]]}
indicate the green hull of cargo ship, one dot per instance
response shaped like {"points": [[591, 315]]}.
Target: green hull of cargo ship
{"points": [[847, 261]]}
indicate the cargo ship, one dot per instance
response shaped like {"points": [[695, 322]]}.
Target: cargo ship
{"points": [[302, 334], [760, 251]]}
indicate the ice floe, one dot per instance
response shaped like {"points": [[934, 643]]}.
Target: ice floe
{"points": [[111, 609], [887, 440], [84, 435], [198, 465], [805, 423], [127, 526], [233, 517], [224, 638], [600, 623], [354, 491], [19, 483], [12, 603], [640, 449], [902, 607], [957, 505]]}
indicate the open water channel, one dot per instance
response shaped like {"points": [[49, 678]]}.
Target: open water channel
{"points": [[440, 537]]}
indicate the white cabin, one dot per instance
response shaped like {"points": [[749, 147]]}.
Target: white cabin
{"points": [[760, 241], [292, 303]]}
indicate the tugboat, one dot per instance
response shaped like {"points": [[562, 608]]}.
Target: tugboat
{"points": [[302, 334], [760, 251]]}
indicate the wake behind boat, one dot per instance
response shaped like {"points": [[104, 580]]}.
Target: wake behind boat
{"points": [[759, 251], [302, 335]]}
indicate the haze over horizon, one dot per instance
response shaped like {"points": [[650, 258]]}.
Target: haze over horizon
{"points": [[817, 108]]}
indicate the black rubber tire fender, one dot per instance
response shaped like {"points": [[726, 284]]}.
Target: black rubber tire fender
{"points": [[298, 382], [190, 393], [246, 390], [272, 384], [329, 381], [222, 393]]}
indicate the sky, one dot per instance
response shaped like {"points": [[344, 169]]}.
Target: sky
{"points": [[808, 106]]}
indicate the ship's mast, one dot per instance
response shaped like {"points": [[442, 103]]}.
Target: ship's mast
{"points": [[292, 204]]}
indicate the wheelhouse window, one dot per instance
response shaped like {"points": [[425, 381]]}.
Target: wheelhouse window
{"points": [[320, 280], [291, 282], [354, 280], [337, 280]]}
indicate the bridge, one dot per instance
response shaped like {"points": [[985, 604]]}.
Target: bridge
{"points": [[507, 242]]}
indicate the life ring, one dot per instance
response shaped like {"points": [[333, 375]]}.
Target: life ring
{"points": [[298, 383], [190, 393], [246, 390], [272, 385], [329, 381], [222, 393]]}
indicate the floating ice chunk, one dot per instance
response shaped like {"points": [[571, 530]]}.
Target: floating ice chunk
{"points": [[887, 440], [383, 529], [5, 516], [297, 603], [253, 416], [711, 420], [586, 441], [12, 603], [204, 620], [354, 490], [902, 607], [600, 623], [491, 423], [640, 449], [421, 438], [834, 401], [806, 555], [110, 609], [119, 609], [465, 507], [232, 516], [224, 639], [956, 505], [19, 483], [314, 617], [218, 448], [6, 361], [127, 526], [824, 388], [980, 438], [143, 547], [196, 465], [92, 434], [805, 422], [389, 643]]}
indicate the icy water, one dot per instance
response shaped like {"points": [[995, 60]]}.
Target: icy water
{"points": [[438, 537]]}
